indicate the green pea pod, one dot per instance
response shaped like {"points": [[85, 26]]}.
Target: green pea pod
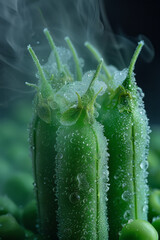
{"points": [[43, 138], [81, 171], [126, 128]]}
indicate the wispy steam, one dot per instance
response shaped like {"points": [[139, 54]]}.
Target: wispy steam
{"points": [[22, 23]]}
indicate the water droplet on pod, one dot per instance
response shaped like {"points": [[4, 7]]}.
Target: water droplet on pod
{"points": [[144, 165], [74, 197], [82, 181], [145, 208], [59, 156], [126, 215], [126, 195]]}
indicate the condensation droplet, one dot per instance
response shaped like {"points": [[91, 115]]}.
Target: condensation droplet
{"points": [[91, 190], [126, 215], [155, 218], [130, 220], [116, 177], [126, 195], [82, 181], [59, 156], [145, 208], [144, 165], [71, 140], [74, 197]]}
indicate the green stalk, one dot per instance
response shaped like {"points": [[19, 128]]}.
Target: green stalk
{"points": [[127, 83], [75, 57], [96, 73], [53, 47], [98, 57], [45, 87]]}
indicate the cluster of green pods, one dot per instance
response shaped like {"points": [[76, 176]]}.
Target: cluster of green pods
{"points": [[89, 140]]}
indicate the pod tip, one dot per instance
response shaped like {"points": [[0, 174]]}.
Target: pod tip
{"points": [[66, 38], [86, 43], [141, 43], [29, 47], [45, 30]]}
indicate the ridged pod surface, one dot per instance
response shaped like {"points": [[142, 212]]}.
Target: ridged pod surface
{"points": [[126, 128], [43, 137], [82, 175], [52, 77], [81, 181]]}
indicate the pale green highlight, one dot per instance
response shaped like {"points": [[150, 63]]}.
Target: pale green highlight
{"points": [[37, 63], [98, 56], [45, 87], [53, 47], [134, 58], [75, 57], [96, 73]]}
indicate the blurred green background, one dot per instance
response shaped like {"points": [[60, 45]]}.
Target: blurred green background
{"points": [[15, 157], [22, 23]]}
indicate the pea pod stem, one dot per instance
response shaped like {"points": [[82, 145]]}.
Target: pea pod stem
{"points": [[53, 47], [75, 57], [97, 55], [96, 74], [45, 87], [127, 83], [37, 63], [134, 58]]}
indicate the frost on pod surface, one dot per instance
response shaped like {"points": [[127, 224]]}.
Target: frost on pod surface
{"points": [[51, 77], [126, 127], [81, 172]]}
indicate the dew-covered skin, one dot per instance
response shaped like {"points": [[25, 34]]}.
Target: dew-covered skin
{"points": [[42, 139], [43, 155], [81, 172], [126, 128], [82, 181], [52, 76]]}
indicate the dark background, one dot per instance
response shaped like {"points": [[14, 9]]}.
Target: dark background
{"points": [[22, 22], [132, 18]]}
